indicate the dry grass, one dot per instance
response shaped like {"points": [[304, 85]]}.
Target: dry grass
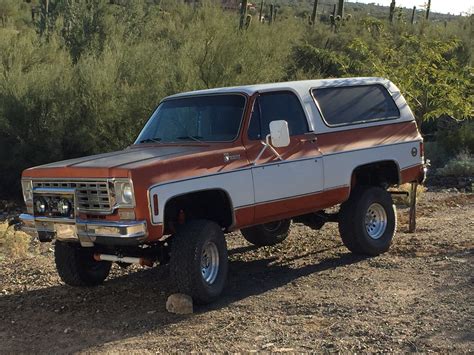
{"points": [[13, 243], [405, 200]]}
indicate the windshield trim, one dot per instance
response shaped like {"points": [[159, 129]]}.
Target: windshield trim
{"points": [[239, 131]]}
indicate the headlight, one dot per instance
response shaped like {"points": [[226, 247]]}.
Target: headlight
{"points": [[124, 196], [27, 187], [127, 194]]}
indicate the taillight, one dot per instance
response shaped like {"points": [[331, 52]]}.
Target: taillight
{"points": [[422, 149]]}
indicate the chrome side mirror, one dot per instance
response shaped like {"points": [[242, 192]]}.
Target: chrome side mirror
{"points": [[279, 134]]}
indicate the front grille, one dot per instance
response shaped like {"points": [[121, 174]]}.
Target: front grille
{"points": [[91, 196]]}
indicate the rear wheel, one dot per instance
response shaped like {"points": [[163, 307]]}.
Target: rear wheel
{"points": [[198, 260], [267, 234], [76, 266], [368, 221]]}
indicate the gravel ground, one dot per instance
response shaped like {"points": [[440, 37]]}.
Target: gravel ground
{"points": [[308, 293]]}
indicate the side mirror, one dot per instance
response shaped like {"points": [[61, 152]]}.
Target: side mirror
{"points": [[279, 133]]}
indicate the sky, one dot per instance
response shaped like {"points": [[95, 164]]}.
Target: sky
{"points": [[444, 6]]}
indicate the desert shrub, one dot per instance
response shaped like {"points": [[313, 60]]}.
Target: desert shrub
{"points": [[461, 165], [85, 78], [456, 137], [13, 243], [436, 154]]}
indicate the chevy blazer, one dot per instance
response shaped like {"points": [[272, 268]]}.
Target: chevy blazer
{"points": [[250, 158]]}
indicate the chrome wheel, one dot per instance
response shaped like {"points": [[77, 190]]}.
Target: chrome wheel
{"points": [[375, 221], [209, 263]]}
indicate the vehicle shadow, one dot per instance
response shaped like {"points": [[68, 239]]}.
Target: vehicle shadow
{"points": [[67, 319]]}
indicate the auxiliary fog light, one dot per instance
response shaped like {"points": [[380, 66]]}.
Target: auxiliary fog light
{"points": [[64, 207], [41, 205]]}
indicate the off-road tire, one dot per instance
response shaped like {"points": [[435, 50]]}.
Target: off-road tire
{"points": [[352, 221], [267, 234], [76, 265], [186, 256]]}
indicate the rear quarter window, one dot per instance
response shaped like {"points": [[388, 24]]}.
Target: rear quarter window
{"points": [[355, 104]]}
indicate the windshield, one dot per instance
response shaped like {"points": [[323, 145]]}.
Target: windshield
{"points": [[201, 118]]}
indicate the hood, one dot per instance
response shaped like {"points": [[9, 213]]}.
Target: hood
{"points": [[118, 163]]}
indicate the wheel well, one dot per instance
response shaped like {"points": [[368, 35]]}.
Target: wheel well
{"points": [[214, 205], [383, 173]]}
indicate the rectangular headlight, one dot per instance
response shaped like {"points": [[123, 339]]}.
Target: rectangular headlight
{"points": [[124, 196]]}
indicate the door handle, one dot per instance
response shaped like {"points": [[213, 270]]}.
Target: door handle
{"points": [[230, 157]]}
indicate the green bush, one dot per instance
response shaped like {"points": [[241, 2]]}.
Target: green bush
{"points": [[436, 154], [83, 78], [461, 165], [456, 137]]}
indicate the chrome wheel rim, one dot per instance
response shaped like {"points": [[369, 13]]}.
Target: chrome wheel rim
{"points": [[209, 263], [375, 221]]}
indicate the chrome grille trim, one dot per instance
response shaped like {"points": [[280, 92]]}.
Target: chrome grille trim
{"points": [[91, 195]]}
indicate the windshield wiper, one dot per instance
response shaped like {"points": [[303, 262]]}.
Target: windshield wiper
{"points": [[194, 138], [150, 140]]}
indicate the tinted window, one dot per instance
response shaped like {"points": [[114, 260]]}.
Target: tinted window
{"points": [[277, 106], [346, 105], [205, 118]]}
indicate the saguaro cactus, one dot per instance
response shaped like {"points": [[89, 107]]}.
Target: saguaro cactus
{"points": [[392, 10], [260, 14], [313, 15], [413, 15], [248, 21], [243, 13], [272, 9], [340, 8], [428, 8]]}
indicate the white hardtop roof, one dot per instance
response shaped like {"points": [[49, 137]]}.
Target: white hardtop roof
{"points": [[298, 86]]}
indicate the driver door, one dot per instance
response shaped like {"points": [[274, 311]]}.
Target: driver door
{"points": [[287, 186]]}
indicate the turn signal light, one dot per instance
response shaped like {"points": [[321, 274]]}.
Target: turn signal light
{"points": [[156, 208]]}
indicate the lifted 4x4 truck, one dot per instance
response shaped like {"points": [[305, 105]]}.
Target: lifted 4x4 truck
{"points": [[214, 161]]}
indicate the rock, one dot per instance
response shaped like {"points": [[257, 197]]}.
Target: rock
{"points": [[179, 303]]}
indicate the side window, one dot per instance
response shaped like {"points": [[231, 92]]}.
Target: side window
{"points": [[355, 104], [277, 106]]}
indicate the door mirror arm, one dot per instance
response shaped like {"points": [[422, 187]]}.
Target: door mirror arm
{"points": [[266, 145], [279, 137]]}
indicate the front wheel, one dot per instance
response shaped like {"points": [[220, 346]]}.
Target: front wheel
{"points": [[368, 221], [76, 266], [198, 260]]}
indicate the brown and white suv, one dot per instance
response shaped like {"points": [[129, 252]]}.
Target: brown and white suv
{"points": [[209, 162]]}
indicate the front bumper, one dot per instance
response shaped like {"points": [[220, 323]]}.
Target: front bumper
{"points": [[86, 232]]}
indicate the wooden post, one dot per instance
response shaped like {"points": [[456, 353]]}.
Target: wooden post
{"points": [[313, 15], [413, 15], [412, 225], [334, 10]]}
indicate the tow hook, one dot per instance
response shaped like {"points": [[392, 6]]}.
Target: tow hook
{"points": [[123, 259]]}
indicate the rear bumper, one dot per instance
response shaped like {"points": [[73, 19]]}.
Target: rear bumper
{"points": [[87, 233]]}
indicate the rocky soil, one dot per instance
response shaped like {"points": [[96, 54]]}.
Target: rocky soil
{"points": [[308, 293]]}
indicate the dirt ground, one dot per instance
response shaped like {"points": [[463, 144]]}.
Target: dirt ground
{"points": [[308, 293]]}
